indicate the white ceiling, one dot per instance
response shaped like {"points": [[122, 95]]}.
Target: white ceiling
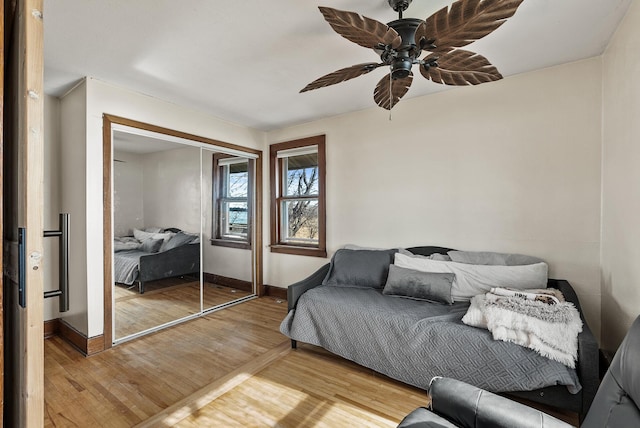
{"points": [[246, 60], [141, 144]]}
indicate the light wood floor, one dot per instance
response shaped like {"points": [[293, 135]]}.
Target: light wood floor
{"points": [[133, 381], [231, 368], [310, 387], [164, 301]]}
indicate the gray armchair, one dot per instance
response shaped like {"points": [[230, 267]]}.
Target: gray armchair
{"points": [[457, 404]]}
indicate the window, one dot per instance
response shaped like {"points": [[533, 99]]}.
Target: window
{"points": [[232, 194], [298, 197]]}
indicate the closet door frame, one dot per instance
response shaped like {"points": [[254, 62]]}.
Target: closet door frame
{"points": [[107, 128]]}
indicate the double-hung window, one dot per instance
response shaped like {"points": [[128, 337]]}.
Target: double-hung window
{"points": [[233, 177], [298, 197]]}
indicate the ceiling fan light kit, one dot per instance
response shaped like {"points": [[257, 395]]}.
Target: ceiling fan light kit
{"points": [[401, 42]]}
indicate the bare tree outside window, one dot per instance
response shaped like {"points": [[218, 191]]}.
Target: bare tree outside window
{"points": [[302, 214], [238, 184], [298, 213]]}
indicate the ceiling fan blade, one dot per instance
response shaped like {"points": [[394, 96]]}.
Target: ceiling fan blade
{"points": [[386, 98], [364, 31], [464, 22], [460, 68], [342, 75]]}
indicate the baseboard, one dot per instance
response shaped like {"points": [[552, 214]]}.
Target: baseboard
{"points": [[277, 292], [238, 284], [95, 345], [269, 290], [87, 346], [51, 328]]}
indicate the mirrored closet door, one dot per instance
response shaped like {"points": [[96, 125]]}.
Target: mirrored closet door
{"points": [[228, 187], [183, 229], [156, 223]]}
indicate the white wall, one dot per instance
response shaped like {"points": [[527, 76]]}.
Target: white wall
{"points": [[73, 168], [81, 120], [507, 166], [128, 209], [230, 262], [51, 203], [620, 183], [172, 189]]}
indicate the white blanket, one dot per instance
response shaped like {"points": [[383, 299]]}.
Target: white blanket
{"points": [[549, 329]]}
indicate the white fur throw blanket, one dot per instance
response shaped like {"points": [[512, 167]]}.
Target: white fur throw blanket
{"points": [[549, 329]]}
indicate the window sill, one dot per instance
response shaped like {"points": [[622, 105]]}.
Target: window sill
{"points": [[298, 250], [243, 245]]}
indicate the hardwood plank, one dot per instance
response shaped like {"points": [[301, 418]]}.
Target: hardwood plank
{"points": [[202, 397], [309, 387], [132, 382]]}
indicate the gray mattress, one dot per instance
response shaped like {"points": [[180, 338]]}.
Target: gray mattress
{"points": [[413, 341]]}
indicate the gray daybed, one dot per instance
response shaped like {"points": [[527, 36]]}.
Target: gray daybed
{"points": [[415, 340], [179, 256]]}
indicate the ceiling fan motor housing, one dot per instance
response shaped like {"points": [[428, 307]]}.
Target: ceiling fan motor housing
{"points": [[402, 59]]}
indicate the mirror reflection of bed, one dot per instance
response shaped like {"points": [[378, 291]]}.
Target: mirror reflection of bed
{"points": [[170, 205]]}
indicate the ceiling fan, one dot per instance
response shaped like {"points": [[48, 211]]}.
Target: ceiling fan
{"points": [[400, 43]]}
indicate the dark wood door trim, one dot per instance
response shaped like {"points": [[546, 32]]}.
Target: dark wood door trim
{"points": [[2, 38]]}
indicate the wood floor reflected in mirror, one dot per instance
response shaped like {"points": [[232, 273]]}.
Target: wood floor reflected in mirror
{"points": [[164, 301]]}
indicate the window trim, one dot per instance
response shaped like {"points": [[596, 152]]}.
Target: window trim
{"points": [[275, 169], [218, 183]]}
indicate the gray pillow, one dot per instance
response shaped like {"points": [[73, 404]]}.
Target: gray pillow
{"points": [[418, 285], [489, 258], [151, 245], [359, 268], [177, 240], [125, 243]]}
